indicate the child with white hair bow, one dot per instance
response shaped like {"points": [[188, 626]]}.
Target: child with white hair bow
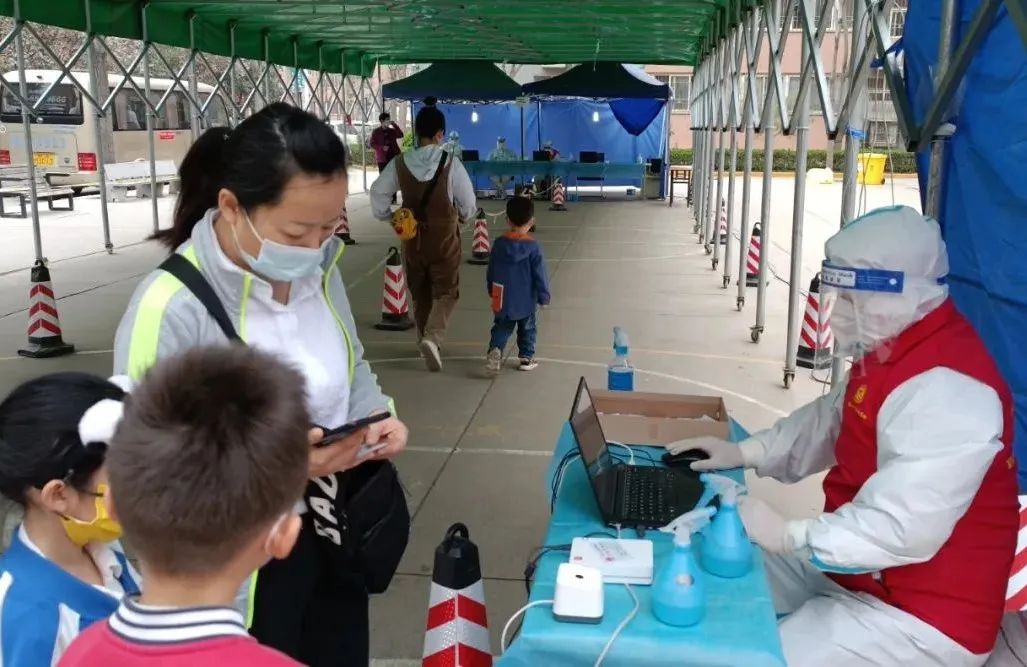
{"points": [[64, 569]]}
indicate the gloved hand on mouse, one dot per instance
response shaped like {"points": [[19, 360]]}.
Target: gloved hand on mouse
{"points": [[722, 453]]}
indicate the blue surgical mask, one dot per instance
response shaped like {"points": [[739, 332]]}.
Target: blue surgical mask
{"points": [[280, 262]]}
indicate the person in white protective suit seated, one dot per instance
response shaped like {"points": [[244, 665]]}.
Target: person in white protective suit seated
{"points": [[454, 146], [909, 561], [501, 153]]}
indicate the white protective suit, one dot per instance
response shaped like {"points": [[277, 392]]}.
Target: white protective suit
{"points": [[937, 435], [502, 154], [453, 146]]}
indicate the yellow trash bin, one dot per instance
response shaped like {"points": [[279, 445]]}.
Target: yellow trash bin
{"points": [[870, 168]]}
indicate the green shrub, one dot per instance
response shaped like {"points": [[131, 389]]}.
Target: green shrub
{"points": [[784, 160]]}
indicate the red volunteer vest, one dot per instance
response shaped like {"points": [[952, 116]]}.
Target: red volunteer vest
{"points": [[961, 590]]}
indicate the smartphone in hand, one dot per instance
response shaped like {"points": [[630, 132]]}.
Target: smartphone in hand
{"points": [[336, 434]]}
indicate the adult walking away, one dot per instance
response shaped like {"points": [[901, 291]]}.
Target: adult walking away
{"points": [[256, 216], [385, 140], [439, 191]]}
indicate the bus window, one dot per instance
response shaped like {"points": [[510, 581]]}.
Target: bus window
{"points": [[63, 105], [129, 111], [217, 112]]}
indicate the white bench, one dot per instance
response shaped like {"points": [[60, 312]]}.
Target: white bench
{"points": [[21, 190], [124, 176]]}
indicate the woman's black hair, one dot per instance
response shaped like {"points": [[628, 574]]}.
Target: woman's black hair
{"points": [[255, 161], [39, 438], [430, 121]]}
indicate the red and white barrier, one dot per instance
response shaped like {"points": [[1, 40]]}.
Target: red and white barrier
{"points": [[44, 329], [481, 246], [559, 197], [395, 306], [816, 337], [723, 224], [342, 231], [752, 261], [1016, 591], [457, 633]]}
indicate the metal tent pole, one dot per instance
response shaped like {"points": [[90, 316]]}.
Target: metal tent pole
{"points": [[706, 149], [151, 117], [721, 122], [710, 216], [747, 178], [194, 92], [795, 309], [26, 122], [99, 93], [232, 90], [363, 128], [697, 151], [936, 174], [770, 13], [733, 129]]}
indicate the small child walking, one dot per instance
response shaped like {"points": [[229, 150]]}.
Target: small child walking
{"points": [[518, 284]]}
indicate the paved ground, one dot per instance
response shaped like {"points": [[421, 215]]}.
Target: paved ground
{"points": [[479, 448]]}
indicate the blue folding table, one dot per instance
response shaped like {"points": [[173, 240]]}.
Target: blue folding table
{"points": [[739, 629]]}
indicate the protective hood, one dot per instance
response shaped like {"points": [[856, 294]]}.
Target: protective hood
{"points": [[422, 162], [519, 250], [885, 271]]}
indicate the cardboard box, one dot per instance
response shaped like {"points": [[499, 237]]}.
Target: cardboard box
{"points": [[639, 418]]}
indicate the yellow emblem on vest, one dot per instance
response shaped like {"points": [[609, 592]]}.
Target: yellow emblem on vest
{"points": [[861, 393]]}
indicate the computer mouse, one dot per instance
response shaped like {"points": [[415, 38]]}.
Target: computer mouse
{"points": [[684, 459]]}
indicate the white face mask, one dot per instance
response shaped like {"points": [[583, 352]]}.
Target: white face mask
{"points": [[281, 262]]}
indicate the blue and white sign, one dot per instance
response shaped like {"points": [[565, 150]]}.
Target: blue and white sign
{"points": [[868, 280]]}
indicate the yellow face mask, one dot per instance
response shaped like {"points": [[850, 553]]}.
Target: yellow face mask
{"points": [[101, 529]]}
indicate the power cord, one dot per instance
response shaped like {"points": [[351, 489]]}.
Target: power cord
{"points": [[516, 615], [620, 628]]}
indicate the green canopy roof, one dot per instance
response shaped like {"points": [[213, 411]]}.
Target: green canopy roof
{"points": [[364, 32]]}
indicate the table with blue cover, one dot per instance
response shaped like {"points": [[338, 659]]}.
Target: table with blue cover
{"points": [[739, 629], [565, 169]]}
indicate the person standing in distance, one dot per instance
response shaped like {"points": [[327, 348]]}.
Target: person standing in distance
{"points": [[432, 258]]}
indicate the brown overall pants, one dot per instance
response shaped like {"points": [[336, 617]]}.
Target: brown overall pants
{"points": [[432, 258]]}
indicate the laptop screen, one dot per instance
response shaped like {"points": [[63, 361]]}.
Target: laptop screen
{"points": [[588, 433]]}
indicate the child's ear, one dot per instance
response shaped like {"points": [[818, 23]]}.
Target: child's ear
{"points": [[283, 537], [56, 497]]}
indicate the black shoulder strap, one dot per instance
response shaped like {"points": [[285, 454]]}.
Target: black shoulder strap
{"points": [[190, 276], [431, 186]]}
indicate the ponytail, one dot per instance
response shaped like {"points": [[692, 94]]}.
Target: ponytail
{"points": [[255, 161], [200, 177]]}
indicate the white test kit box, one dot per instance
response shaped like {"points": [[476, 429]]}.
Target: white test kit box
{"points": [[620, 561]]}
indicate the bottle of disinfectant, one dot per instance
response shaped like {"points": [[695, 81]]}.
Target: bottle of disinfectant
{"points": [[726, 550], [620, 375], [678, 595]]}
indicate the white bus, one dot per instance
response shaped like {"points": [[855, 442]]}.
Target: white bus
{"points": [[64, 137]]}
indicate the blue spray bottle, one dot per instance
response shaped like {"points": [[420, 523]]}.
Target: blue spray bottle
{"points": [[726, 550], [678, 595], [620, 374]]}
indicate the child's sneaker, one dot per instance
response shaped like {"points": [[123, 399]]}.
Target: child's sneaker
{"points": [[494, 362], [528, 364]]}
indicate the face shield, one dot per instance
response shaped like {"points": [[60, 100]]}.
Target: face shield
{"points": [[883, 273]]}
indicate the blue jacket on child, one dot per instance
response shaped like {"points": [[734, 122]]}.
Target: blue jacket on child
{"points": [[517, 279]]}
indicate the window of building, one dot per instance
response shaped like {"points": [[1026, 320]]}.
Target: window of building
{"points": [[797, 16], [883, 134], [681, 88], [897, 20]]}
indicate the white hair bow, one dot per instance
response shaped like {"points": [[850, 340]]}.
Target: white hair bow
{"points": [[99, 422]]}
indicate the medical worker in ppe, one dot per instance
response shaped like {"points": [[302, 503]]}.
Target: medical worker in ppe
{"points": [[453, 145], [501, 153], [909, 561]]}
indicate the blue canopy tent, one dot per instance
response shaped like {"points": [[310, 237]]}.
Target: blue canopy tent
{"points": [[984, 195], [456, 81]]}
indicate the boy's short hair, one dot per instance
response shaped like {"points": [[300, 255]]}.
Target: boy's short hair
{"points": [[383, 116], [520, 210], [212, 448]]}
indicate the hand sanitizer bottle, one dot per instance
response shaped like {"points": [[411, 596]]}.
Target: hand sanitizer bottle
{"points": [[726, 550], [678, 593], [620, 375]]}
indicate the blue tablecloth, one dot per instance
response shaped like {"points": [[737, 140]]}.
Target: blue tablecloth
{"points": [[739, 630], [565, 169]]}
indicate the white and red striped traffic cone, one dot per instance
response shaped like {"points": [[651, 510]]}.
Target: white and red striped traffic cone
{"points": [[816, 337], [395, 307], [481, 247], [44, 330], [1016, 591], [723, 224], [457, 632], [342, 231], [752, 261], [559, 197]]}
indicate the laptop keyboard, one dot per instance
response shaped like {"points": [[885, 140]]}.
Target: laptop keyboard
{"points": [[648, 494]]}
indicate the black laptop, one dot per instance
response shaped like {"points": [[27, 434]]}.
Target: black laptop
{"points": [[629, 496]]}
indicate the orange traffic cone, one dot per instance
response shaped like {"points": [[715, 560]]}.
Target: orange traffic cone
{"points": [[816, 338], [1016, 591], [44, 330], [481, 247], [342, 231], [457, 632], [559, 197], [395, 309], [752, 261]]}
